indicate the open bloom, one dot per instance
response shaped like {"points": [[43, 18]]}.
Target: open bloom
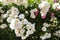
{"points": [[19, 32], [44, 6], [2, 26], [16, 24], [44, 29], [56, 6]]}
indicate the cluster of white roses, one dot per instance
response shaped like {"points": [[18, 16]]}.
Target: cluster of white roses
{"points": [[22, 26], [17, 2], [19, 23]]}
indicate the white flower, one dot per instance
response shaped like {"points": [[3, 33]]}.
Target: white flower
{"points": [[16, 24], [6, 2], [19, 32], [48, 35], [30, 28], [25, 3], [21, 2], [55, 5], [5, 15], [14, 11], [17, 2], [44, 6], [45, 36], [33, 27], [44, 29], [46, 24], [57, 33], [3, 26], [32, 13], [9, 19], [58, 7], [21, 16], [23, 37], [25, 21]]}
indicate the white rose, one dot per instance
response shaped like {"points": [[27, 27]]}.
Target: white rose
{"points": [[44, 6], [32, 13], [57, 33], [16, 24], [21, 2], [17, 2], [55, 5], [3, 26], [45, 36], [6, 2], [14, 11], [46, 24], [25, 3], [21, 16], [5, 15], [9, 19], [17, 32], [25, 21], [44, 29]]}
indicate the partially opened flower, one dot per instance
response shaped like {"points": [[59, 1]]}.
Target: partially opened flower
{"points": [[34, 13]]}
